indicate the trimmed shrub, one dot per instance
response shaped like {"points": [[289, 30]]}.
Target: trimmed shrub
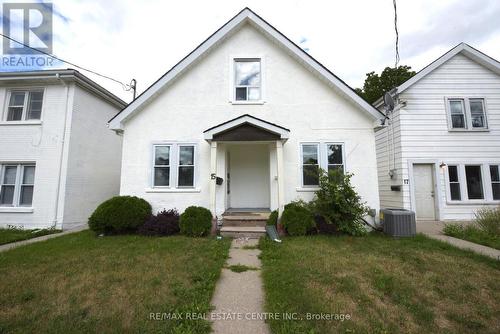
{"points": [[297, 219], [273, 218], [196, 221], [120, 214], [338, 202], [162, 224]]}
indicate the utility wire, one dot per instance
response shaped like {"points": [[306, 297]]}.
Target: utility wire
{"points": [[397, 34], [126, 87]]}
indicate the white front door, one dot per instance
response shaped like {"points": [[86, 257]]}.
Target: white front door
{"points": [[424, 191], [249, 174]]}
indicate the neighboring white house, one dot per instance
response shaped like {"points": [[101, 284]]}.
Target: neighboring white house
{"points": [[58, 160], [252, 108], [442, 145]]}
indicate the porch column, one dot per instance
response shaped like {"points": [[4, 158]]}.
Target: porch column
{"points": [[213, 174], [281, 177]]}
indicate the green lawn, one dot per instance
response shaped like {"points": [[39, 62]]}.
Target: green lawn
{"points": [[8, 235], [80, 283], [386, 285], [472, 233]]}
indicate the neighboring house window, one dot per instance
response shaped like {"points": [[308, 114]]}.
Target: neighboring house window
{"points": [[327, 156], [467, 113], [495, 181], [161, 167], [247, 79], [186, 166], [17, 185], [454, 183], [474, 182], [310, 164], [25, 105]]}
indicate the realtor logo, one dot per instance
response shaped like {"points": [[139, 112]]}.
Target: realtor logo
{"points": [[28, 23]]}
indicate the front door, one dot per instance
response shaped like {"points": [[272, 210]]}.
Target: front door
{"points": [[424, 191], [249, 173]]}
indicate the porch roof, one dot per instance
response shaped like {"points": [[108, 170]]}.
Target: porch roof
{"points": [[246, 128]]}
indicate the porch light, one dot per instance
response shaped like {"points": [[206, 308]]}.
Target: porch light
{"points": [[442, 165]]}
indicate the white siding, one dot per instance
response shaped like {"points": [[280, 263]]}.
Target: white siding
{"points": [[424, 131], [93, 169], [295, 99], [41, 144]]}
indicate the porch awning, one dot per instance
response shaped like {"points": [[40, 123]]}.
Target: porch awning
{"points": [[246, 128]]}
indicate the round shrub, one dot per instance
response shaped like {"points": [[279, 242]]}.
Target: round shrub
{"points": [[273, 218], [297, 219], [196, 221], [120, 214]]}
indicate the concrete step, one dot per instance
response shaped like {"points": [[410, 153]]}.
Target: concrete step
{"points": [[243, 231], [246, 215], [246, 223]]}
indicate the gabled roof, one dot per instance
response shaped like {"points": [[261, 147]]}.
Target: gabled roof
{"points": [[461, 48], [246, 119], [246, 15]]}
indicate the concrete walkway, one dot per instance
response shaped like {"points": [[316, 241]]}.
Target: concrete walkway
{"points": [[16, 244], [434, 229], [239, 297]]}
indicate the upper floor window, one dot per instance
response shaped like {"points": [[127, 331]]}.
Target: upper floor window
{"points": [[247, 80], [25, 105], [17, 184], [467, 113]]}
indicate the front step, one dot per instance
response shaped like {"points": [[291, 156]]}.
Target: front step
{"points": [[253, 232]]}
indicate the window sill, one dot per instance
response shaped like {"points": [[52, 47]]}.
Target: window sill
{"points": [[305, 189], [260, 102], [173, 190], [15, 209], [20, 122], [477, 202], [468, 130]]}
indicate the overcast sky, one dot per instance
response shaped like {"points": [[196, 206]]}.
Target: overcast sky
{"points": [[129, 39]]}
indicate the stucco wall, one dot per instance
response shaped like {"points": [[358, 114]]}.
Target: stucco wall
{"points": [[294, 98]]}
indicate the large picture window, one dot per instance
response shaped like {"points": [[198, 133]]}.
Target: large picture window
{"points": [[17, 183], [25, 105]]}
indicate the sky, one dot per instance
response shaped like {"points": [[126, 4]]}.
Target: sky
{"points": [[127, 39]]}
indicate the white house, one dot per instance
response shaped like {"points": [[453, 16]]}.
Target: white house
{"points": [[440, 153], [58, 160], [252, 108]]}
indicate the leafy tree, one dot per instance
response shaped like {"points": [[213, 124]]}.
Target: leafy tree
{"points": [[376, 86]]}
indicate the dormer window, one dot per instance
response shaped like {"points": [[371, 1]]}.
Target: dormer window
{"points": [[247, 80], [25, 105]]}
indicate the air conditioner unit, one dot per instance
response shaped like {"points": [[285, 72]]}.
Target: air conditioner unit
{"points": [[398, 222]]}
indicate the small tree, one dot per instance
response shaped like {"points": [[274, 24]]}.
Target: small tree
{"points": [[339, 203]]}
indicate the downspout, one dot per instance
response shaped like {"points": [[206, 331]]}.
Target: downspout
{"points": [[61, 156]]}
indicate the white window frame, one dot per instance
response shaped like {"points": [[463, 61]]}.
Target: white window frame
{"points": [[154, 165], [491, 181], [322, 160], [18, 183], [179, 165], [467, 113], [27, 92], [174, 168], [232, 78], [485, 180], [460, 186]]}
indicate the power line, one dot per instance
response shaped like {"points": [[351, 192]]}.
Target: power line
{"points": [[397, 34], [126, 87]]}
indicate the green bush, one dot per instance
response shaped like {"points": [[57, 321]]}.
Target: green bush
{"points": [[196, 221], [297, 219], [488, 220], [120, 214], [273, 218], [338, 202]]}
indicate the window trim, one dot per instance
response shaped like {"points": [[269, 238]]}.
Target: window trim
{"points": [[448, 183], [467, 113], [23, 120], [318, 150], [485, 180], [174, 168], [232, 76], [154, 165], [491, 181], [179, 166], [17, 185], [322, 160]]}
